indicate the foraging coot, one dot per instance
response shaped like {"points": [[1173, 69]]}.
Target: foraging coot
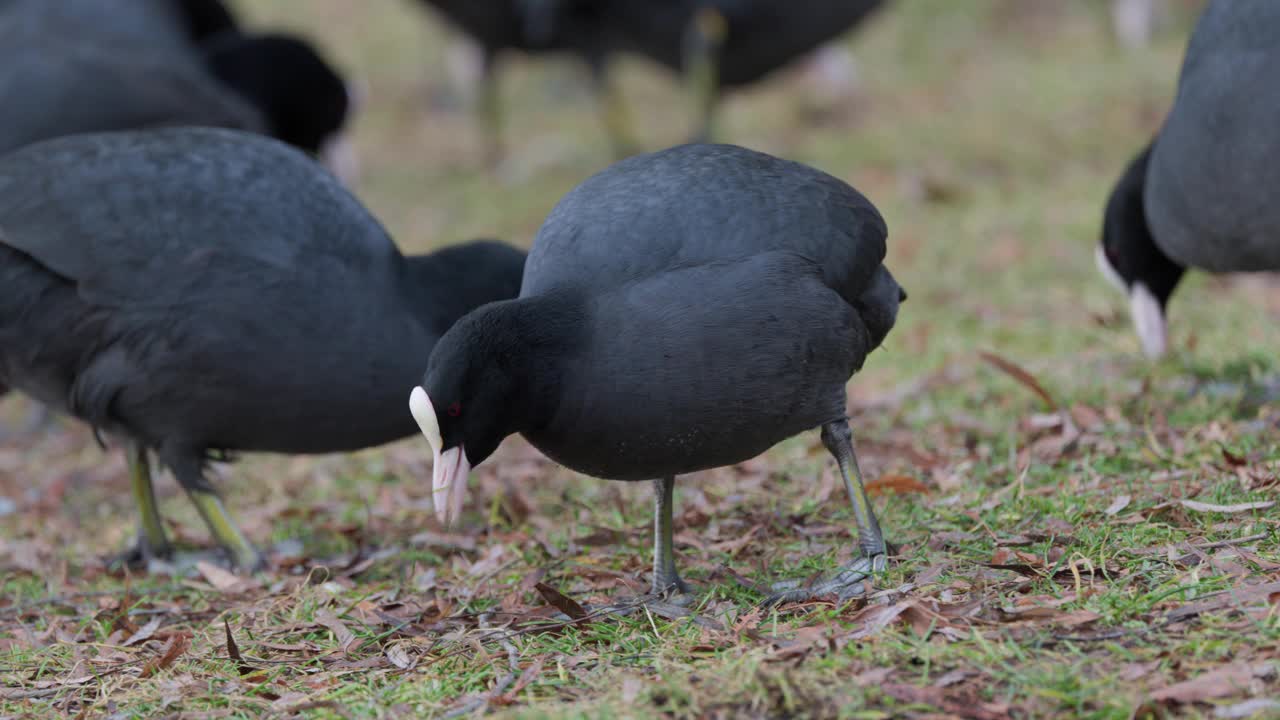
{"points": [[1200, 195], [75, 66], [680, 310], [722, 44], [198, 290], [170, 24], [714, 44], [537, 27]]}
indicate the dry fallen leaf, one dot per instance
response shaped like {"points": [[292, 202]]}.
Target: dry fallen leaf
{"points": [[527, 676], [1239, 508], [561, 602], [398, 656], [901, 484], [1239, 596], [1137, 670], [171, 651], [1217, 683], [874, 618], [958, 675], [1257, 707], [873, 678], [341, 632], [1087, 417], [937, 698], [1120, 503], [1017, 373], [221, 579], [233, 651], [144, 633]]}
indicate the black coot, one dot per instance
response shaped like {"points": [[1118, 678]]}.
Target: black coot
{"points": [[73, 66], [680, 310], [172, 24], [1202, 194], [715, 44], [199, 290], [77, 66], [500, 27]]}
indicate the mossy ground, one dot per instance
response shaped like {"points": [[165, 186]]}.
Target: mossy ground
{"points": [[1048, 564]]}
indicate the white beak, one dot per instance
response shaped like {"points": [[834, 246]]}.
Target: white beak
{"points": [[1148, 316], [1108, 272], [449, 468], [449, 484], [1148, 320]]}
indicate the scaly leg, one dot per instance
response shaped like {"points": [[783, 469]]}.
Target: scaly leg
{"points": [[152, 541], [491, 111], [665, 578], [224, 530], [848, 582]]}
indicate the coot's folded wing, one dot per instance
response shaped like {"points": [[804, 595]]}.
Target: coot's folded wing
{"points": [[704, 203], [1210, 183], [246, 205]]}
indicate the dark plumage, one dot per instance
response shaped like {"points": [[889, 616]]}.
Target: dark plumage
{"points": [[716, 44], [172, 24], [520, 25], [73, 66], [681, 310], [500, 27], [197, 290], [758, 36], [1201, 194], [302, 100], [78, 66]]}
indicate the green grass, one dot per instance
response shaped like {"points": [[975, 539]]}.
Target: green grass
{"points": [[989, 133]]}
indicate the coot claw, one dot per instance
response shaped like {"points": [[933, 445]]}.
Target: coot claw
{"points": [[140, 555], [847, 583]]}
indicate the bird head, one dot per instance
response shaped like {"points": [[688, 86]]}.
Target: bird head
{"points": [[303, 98], [467, 402], [1130, 259]]}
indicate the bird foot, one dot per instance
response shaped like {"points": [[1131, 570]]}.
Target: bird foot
{"points": [[245, 559], [672, 590], [141, 556], [848, 583]]}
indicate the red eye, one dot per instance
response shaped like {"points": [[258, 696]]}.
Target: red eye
{"points": [[455, 409]]}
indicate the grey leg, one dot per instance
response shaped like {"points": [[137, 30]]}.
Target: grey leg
{"points": [[704, 40], [491, 118], [847, 582], [665, 577], [613, 110]]}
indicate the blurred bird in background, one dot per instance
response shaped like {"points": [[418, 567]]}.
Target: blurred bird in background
{"points": [[713, 46], [77, 66]]}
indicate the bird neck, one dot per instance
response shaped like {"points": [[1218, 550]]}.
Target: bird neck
{"points": [[1129, 245], [532, 343]]}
